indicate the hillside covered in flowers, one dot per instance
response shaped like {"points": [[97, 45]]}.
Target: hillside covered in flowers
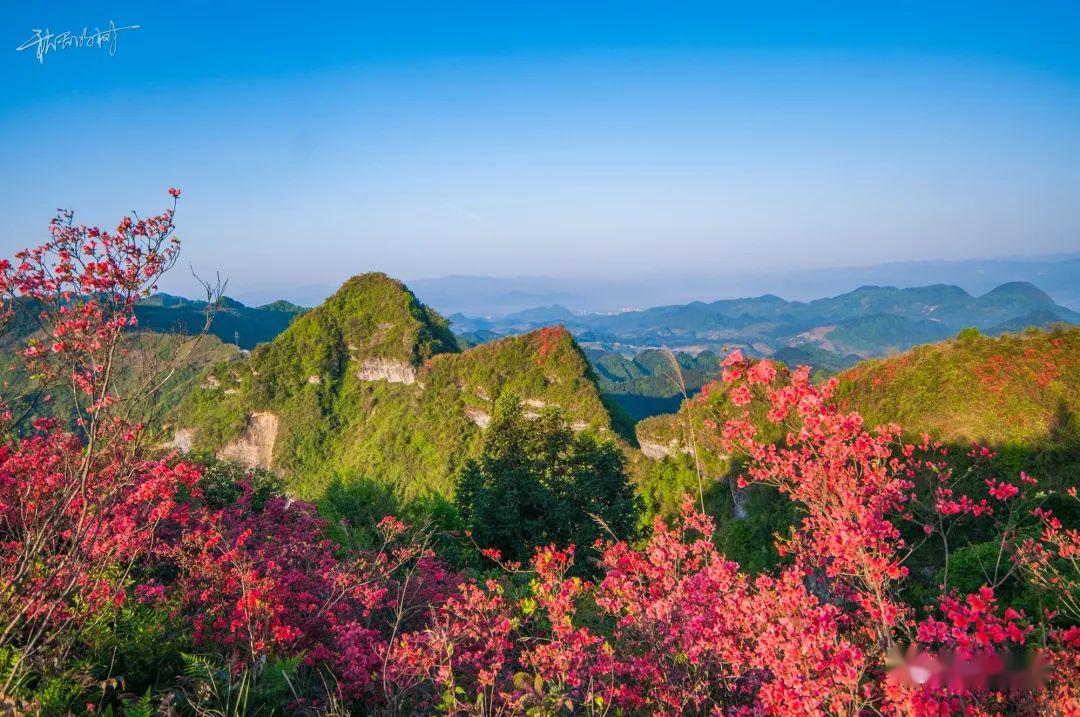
{"points": [[905, 575]]}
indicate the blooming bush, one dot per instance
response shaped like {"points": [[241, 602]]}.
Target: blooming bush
{"points": [[78, 510], [100, 530]]}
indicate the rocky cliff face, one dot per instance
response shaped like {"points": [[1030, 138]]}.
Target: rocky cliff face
{"points": [[255, 446], [183, 440], [374, 369], [659, 451]]}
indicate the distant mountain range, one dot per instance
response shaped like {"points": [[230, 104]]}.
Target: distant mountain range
{"points": [[233, 323], [490, 296], [830, 334], [869, 321]]}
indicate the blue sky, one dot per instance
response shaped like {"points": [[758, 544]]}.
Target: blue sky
{"points": [[315, 141]]}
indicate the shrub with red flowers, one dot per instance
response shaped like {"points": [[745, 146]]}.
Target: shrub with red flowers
{"points": [[78, 510], [95, 522], [260, 582], [856, 489]]}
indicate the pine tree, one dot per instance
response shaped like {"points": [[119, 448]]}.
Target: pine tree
{"points": [[537, 483]]}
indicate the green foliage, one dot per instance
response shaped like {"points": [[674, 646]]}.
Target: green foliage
{"points": [[970, 332], [537, 483], [138, 644], [1019, 390], [750, 540], [411, 427], [221, 482], [122, 651], [665, 484], [353, 506], [208, 687], [142, 707]]}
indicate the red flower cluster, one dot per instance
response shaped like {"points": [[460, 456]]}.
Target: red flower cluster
{"points": [[669, 626]]}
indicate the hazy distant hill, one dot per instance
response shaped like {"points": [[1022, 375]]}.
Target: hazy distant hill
{"points": [[869, 321], [233, 322], [496, 296], [372, 384]]}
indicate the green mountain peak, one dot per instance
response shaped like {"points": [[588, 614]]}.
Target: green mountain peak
{"points": [[370, 385]]}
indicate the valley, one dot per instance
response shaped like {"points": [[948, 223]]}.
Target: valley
{"points": [[373, 386], [323, 432]]}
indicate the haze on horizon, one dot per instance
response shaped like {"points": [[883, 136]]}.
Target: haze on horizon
{"points": [[570, 140]]}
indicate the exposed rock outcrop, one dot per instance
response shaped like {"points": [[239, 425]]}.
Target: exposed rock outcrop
{"points": [[255, 446], [373, 369], [478, 417], [659, 451], [183, 440]]}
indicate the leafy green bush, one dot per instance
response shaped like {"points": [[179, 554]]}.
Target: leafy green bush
{"points": [[537, 483]]}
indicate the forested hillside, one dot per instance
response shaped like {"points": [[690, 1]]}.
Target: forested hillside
{"points": [[369, 520], [230, 321], [371, 385], [868, 321], [1014, 389], [1021, 388]]}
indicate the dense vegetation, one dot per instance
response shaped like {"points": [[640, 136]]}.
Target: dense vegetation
{"points": [[869, 321], [535, 483], [370, 385], [1021, 388], [135, 581]]}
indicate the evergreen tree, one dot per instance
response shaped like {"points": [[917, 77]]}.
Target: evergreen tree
{"points": [[536, 482]]}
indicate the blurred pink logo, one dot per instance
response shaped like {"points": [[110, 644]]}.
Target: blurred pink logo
{"points": [[45, 41], [981, 672]]}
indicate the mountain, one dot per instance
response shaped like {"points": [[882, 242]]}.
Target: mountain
{"points": [[233, 322], [372, 385], [1018, 393], [869, 321], [497, 296], [282, 306], [1015, 389]]}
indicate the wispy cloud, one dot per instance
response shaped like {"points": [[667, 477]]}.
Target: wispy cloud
{"points": [[463, 212]]}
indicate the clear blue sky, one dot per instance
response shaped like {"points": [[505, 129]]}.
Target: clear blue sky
{"points": [[318, 140]]}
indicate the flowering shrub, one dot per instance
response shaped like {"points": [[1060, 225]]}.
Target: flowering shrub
{"points": [[93, 522], [78, 510]]}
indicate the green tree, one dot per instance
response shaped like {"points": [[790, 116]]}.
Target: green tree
{"points": [[536, 482]]}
